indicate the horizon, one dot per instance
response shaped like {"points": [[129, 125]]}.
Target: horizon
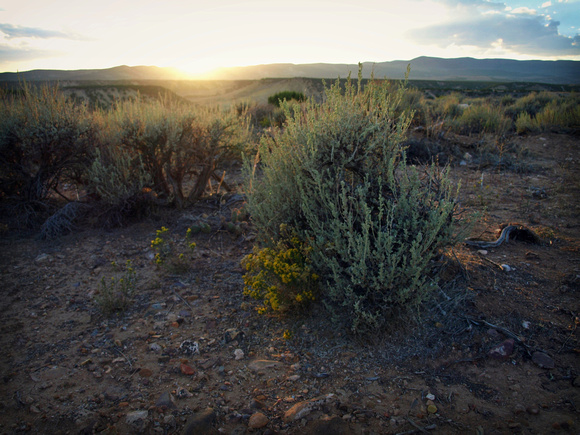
{"points": [[197, 38]]}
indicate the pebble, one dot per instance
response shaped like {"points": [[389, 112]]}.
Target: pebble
{"points": [[145, 373], [301, 409], [200, 423], [154, 347], [186, 370], [262, 364], [533, 410], [43, 258], [503, 351], [165, 401], [431, 409], [293, 378], [257, 421], [238, 354], [542, 360], [506, 268], [136, 416], [519, 409], [482, 252]]}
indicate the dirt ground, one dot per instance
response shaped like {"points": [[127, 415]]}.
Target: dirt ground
{"points": [[498, 355]]}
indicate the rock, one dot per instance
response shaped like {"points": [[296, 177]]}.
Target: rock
{"points": [[186, 370], [258, 421], [136, 417], [43, 258], [503, 351], [201, 423], [533, 410], [233, 334], [189, 347], [145, 373], [506, 268], [169, 420], [166, 401], [430, 396], [302, 409], [482, 252], [432, 409], [238, 354], [263, 364], [542, 360], [154, 347], [519, 409], [293, 378]]}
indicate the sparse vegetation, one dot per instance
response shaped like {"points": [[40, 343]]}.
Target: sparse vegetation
{"points": [[116, 294]]}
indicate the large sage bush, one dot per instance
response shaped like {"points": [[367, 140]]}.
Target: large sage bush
{"points": [[336, 174]]}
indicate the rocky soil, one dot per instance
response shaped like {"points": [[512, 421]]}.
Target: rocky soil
{"points": [[499, 354]]}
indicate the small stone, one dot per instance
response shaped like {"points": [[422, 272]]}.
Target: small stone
{"points": [[189, 347], [169, 420], [165, 401], [506, 268], [186, 370], [293, 378], [154, 347], [304, 408], [519, 409], [533, 410], [526, 324], [136, 416], [257, 421], [542, 360], [201, 423], [482, 252], [43, 258], [145, 373], [262, 364], [431, 409], [238, 354], [430, 396], [503, 351]]}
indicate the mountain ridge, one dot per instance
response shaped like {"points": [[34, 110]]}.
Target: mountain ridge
{"points": [[422, 68]]}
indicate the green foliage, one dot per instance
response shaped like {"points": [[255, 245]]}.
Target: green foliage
{"points": [[279, 97], [116, 293], [281, 276], [45, 139], [337, 175]]}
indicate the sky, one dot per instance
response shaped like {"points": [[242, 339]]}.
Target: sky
{"points": [[200, 36]]}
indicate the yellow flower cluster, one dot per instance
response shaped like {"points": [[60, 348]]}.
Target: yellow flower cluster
{"points": [[281, 276]]}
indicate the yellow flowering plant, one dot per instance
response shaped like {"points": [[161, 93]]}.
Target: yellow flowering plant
{"points": [[165, 254], [281, 276]]}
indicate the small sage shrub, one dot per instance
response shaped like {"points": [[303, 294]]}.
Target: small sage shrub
{"points": [[337, 174], [116, 293], [282, 275]]}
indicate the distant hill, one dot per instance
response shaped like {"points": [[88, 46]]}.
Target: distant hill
{"points": [[122, 72], [422, 68]]}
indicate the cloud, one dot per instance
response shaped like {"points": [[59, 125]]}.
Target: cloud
{"points": [[12, 31], [11, 54], [523, 11], [521, 33], [546, 4]]}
